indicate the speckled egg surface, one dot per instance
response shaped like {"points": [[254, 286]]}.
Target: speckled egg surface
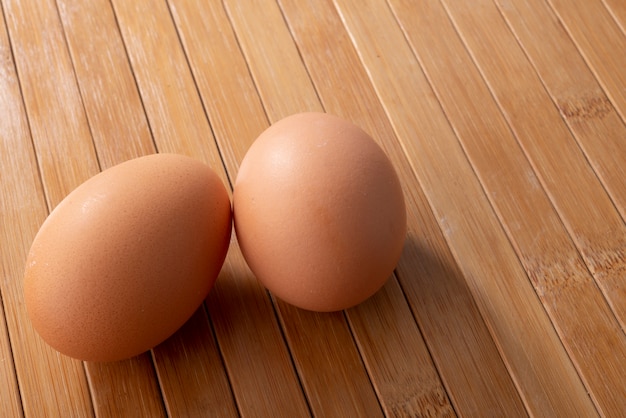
{"points": [[319, 212], [127, 257]]}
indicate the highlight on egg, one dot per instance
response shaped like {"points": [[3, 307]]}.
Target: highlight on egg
{"points": [[127, 257], [319, 212]]}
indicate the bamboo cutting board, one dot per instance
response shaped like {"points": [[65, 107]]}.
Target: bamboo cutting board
{"points": [[505, 120]]}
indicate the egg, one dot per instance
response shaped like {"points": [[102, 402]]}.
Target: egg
{"points": [[127, 257], [319, 212]]}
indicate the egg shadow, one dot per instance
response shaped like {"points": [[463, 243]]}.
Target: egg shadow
{"points": [[438, 293]]}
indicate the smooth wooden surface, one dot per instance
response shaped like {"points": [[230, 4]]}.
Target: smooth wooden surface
{"points": [[505, 120]]}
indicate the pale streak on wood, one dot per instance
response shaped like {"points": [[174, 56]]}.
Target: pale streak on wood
{"points": [[10, 402], [12, 125], [573, 187], [236, 114], [617, 8], [501, 288], [466, 357], [53, 104], [170, 98], [112, 103], [273, 59], [222, 76], [576, 306], [120, 132], [581, 101], [273, 54], [49, 384], [602, 43]]}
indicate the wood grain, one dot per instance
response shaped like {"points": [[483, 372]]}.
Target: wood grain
{"points": [[178, 124], [581, 101], [13, 129], [557, 271], [505, 120], [598, 38], [498, 282], [257, 353], [467, 361], [9, 391], [617, 8], [586, 210], [189, 369], [330, 368], [42, 373], [120, 132]]}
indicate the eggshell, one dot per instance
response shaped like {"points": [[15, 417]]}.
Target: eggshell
{"points": [[127, 257], [319, 212]]}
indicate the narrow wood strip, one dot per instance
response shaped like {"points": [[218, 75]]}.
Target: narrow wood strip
{"points": [[118, 124], [460, 344], [222, 77], [12, 129], [176, 99], [576, 306], [600, 41], [167, 88], [528, 343], [120, 132], [324, 365], [189, 372], [50, 384], [617, 9], [10, 402], [51, 96], [114, 392], [404, 376], [179, 125], [273, 59], [330, 367], [585, 208], [581, 101], [256, 355]]}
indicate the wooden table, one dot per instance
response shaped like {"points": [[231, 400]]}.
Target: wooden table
{"points": [[505, 120]]}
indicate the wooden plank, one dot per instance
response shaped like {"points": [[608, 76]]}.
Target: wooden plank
{"points": [[144, 50], [190, 371], [466, 356], [600, 41], [322, 365], [125, 388], [617, 8], [585, 208], [172, 105], [404, 374], [273, 59], [256, 355], [264, 379], [12, 129], [581, 101], [191, 355], [500, 286], [50, 384], [551, 259], [10, 402], [118, 124], [120, 132], [222, 77]]}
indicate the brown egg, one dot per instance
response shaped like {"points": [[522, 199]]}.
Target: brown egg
{"points": [[127, 257], [319, 212]]}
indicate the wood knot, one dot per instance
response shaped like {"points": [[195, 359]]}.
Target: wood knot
{"points": [[589, 107]]}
